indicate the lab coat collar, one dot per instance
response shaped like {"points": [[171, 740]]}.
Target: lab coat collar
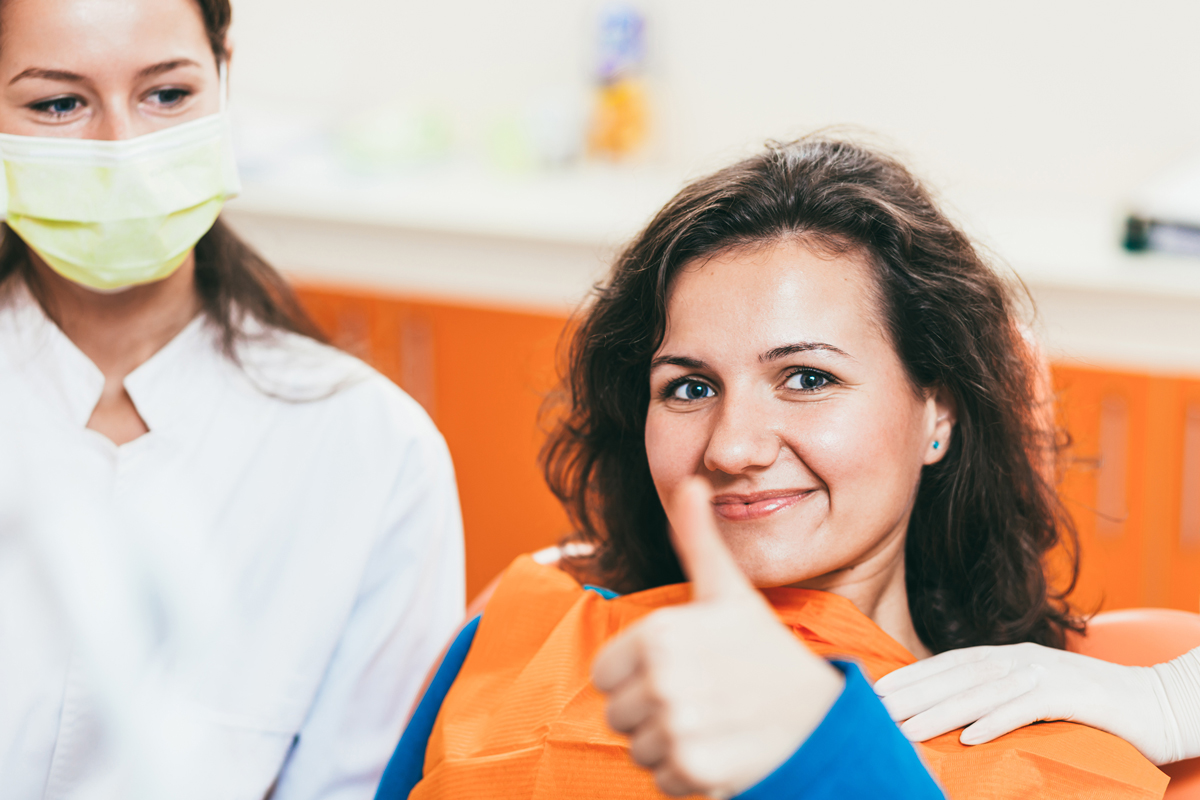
{"points": [[165, 389], [173, 383], [45, 359]]}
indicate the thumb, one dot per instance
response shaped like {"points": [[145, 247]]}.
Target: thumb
{"points": [[702, 552]]}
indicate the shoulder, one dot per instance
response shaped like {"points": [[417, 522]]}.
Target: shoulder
{"points": [[1063, 759], [536, 578], [313, 380]]}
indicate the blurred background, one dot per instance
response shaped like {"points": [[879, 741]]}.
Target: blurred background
{"points": [[445, 181]]}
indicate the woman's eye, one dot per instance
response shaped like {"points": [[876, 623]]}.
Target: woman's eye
{"points": [[169, 97], [692, 390], [58, 106], [806, 380]]}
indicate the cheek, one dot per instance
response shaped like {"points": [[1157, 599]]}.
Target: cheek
{"points": [[674, 446], [867, 453], [209, 103]]}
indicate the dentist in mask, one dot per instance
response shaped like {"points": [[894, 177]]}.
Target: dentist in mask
{"points": [[288, 494]]}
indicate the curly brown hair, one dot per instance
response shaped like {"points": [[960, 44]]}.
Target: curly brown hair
{"points": [[985, 516]]}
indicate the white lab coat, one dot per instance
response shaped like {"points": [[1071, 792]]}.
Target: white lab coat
{"points": [[298, 504]]}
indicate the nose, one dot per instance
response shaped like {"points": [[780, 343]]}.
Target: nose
{"points": [[742, 438], [115, 122]]}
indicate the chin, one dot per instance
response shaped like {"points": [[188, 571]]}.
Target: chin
{"points": [[768, 567], [774, 555]]}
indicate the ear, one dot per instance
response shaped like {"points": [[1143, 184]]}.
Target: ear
{"points": [[228, 51], [941, 416]]}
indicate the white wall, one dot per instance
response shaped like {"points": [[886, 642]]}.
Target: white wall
{"points": [[1057, 97]]}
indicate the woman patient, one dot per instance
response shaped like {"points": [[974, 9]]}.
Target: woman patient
{"points": [[808, 332]]}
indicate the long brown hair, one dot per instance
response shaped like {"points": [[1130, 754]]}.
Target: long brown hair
{"points": [[985, 516], [233, 280]]}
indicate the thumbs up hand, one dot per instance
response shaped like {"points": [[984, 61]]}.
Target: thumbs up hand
{"points": [[716, 694]]}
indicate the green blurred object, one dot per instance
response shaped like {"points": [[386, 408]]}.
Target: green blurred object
{"points": [[507, 145], [397, 138]]}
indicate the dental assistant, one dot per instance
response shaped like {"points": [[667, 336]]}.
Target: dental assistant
{"points": [[151, 356]]}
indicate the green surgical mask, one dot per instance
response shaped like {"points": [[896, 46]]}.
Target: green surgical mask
{"points": [[114, 214]]}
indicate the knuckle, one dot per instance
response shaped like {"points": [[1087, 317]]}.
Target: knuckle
{"points": [[973, 654], [1018, 683], [670, 782], [1028, 651], [615, 716], [643, 751], [688, 766], [994, 668]]}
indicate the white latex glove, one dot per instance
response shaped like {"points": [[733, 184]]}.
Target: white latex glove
{"points": [[993, 690], [716, 694]]}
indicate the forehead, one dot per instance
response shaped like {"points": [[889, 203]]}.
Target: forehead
{"points": [[82, 35], [757, 298]]}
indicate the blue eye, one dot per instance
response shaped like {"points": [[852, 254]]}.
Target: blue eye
{"points": [[170, 97], [807, 380], [58, 106], [692, 390]]}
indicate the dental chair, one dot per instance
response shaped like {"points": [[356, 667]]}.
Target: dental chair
{"points": [[1142, 637]]}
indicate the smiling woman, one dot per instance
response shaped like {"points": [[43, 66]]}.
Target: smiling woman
{"points": [[291, 496], [842, 327], [806, 333]]}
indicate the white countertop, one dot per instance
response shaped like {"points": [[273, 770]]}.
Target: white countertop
{"points": [[1077, 245], [596, 206]]}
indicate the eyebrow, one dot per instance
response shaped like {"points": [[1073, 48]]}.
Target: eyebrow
{"points": [[783, 351], [47, 74], [71, 77], [166, 66], [679, 361], [786, 350]]}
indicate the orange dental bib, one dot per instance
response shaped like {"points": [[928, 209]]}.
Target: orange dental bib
{"points": [[523, 721]]}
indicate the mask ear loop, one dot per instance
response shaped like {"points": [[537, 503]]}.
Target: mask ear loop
{"points": [[223, 84]]}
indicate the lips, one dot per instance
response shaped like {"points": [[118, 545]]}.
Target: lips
{"points": [[757, 504]]}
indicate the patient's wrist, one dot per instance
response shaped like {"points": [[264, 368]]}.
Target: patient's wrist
{"points": [[822, 689]]}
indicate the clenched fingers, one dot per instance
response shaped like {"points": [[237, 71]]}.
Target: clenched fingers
{"points": [[631, 704], [619, 661]]}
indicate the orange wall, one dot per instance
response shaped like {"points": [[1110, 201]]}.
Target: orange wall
{"points": [[482, 374], [1125, 486]]}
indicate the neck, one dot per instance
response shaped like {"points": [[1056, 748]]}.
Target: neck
{"points": [[876, 586], [118, 332]]}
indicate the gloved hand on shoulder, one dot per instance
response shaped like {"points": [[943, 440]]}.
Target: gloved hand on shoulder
{"points": [[994, 690]]}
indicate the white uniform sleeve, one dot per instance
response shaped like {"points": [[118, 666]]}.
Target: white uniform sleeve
{"points": [[1180, 701], [409, 604]]}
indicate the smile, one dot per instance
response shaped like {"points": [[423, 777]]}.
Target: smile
{"points": [[757, 505]]}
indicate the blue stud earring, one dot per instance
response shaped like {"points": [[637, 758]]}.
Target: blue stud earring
{"points": [[936, 445]]}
